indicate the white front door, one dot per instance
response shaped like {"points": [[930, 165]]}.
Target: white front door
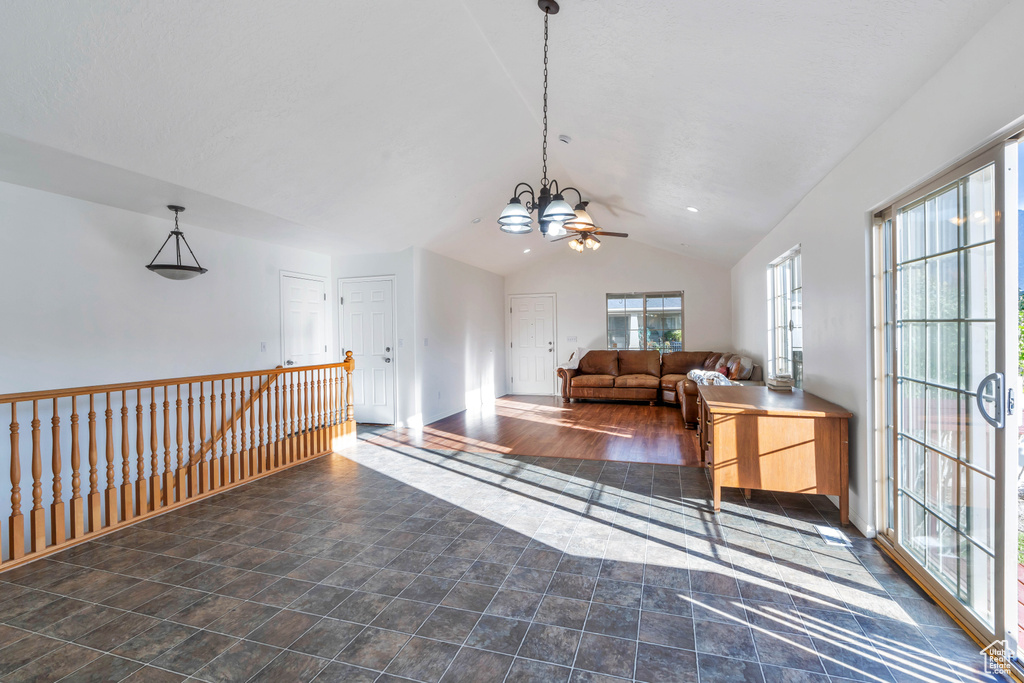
{"points": [[303, 320], [367, 330], [532, 324]]}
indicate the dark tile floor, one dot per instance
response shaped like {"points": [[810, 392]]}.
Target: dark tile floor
{"points": [[387, 564]]}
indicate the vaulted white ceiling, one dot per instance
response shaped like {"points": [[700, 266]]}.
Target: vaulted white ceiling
{"points": [[373, 126]]}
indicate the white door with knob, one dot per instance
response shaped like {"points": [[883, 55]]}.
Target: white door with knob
{"points": [[303, 319], [532, 344], [367, 330]]}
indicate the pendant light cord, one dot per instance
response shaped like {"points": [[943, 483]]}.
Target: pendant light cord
{"points": [[544, 171]]}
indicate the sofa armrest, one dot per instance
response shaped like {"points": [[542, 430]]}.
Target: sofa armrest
{"points": [[566, 375], [689, 387]]}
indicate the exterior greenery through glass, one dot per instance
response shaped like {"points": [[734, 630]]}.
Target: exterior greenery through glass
{"points": [[645, 320]]}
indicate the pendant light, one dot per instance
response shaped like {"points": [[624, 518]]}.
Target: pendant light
{"points": [[177, 270], [551, 207]]}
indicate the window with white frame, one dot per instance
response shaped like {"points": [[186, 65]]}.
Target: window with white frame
{"points": [[785, 317], [645, 320]]}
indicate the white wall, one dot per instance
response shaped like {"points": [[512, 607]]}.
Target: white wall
{"points": [[457, 310], [460, 335], [580, 282], [978, 93], [80, 307]]}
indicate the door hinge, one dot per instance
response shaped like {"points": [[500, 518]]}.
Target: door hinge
{"points": [[325, 348], [509, 309], [341, 300], [325, 296]]}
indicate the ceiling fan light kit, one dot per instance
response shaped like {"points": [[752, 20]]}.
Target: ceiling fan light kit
{"points": [[554, 215], [176, 270]]}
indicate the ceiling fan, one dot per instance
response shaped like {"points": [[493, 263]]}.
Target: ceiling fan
{"points": [[586, 232]]}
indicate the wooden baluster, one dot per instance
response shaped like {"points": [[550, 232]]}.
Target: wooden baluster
{"points": [[199, 469], [234, 435], [77, 505], [37, 517], [278, 450], [335, 404], [110, 492], [307, 442], [263, 452], [320, 411], [141, 502], [17, 521], [253, 446], [181, 474], [57, 529], [350, 409], [242, 452], [126, 465], [291, 430], [225, 463], [168, 475], [154, 457], [93, 499]]}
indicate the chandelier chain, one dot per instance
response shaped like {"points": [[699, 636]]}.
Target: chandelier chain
{"points": [[544, 171]]}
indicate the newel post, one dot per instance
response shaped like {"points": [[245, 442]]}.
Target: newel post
{"points": [[350, 410]]}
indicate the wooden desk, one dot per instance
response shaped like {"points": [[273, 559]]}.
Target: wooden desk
{"points": [[756, 438]]}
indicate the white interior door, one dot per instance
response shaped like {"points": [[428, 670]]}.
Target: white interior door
{"points": [[367, 330], [532, 325], [303, 320]]}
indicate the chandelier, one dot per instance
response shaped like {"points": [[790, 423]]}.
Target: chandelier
{"points": [[554, 215], [176, 270]]}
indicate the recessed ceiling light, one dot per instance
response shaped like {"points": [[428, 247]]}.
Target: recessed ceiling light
{"points": [[526, 251], [694, 209], [565, 138], [476, 220]]}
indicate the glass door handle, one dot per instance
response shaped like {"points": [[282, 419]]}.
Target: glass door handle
{"points": [[999, 419]]}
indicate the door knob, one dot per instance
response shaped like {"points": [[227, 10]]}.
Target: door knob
{"points": [[289, 362], [387, 349], [387, 360]]}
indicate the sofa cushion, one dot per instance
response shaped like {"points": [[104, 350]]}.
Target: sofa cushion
{"points": [[640, 363], [740, 367], [723, 363], [711, 361], [669, 381], [681, 362], [637, 381], [600, 363], [600, 381]]}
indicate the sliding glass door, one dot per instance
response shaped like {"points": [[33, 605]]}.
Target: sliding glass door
{"points": [[948, 266]]}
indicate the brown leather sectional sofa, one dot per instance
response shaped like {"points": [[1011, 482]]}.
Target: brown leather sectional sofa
{"points": [[649, 376]]}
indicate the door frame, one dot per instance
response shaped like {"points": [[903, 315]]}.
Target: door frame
{"points": [[1004, 621], [394, 331], [305, 276], [508, 340]]}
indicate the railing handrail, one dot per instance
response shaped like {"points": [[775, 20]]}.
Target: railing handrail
{"points": [[130, 386]]}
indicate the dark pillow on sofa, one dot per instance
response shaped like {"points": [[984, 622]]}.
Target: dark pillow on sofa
{"points": [[681, 362], [711, 361], [640, 363], [600, 363]]}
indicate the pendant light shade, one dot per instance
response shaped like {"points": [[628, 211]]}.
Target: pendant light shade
{"points": [[581, 219], [176, 270], [515, 218], [592, 242], [558, 210]]}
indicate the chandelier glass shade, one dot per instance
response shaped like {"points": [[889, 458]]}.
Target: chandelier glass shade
{"points": [[176, 270]]}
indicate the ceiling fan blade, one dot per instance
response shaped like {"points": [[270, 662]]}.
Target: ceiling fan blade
{"points": [[563, 237], [611, 234]]}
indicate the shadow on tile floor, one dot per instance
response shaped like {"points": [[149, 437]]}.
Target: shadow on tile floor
{"points": [[390, 563]]}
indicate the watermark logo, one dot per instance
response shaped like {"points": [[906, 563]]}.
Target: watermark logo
{"points": [[997, 658]]}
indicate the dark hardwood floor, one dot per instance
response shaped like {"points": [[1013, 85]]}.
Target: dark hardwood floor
{"points": [[544, 426]]}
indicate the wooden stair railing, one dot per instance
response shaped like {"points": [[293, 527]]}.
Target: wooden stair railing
{"points": [[144, 433], [214, 440]]}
